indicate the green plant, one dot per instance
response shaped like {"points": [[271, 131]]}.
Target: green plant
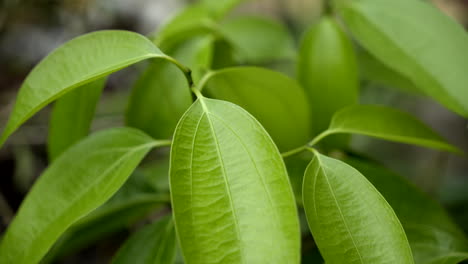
{"points": [[232, 200]]}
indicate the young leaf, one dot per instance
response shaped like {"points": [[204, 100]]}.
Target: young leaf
{"points": [[277, 101], [432, 54], [77, 62], [349, 219], [71, 117], [232, 200], [132, 202], [258, 40], [153, 244], [327, 70], [81, 179], [162, 85], [433, 236], [385, 123]]}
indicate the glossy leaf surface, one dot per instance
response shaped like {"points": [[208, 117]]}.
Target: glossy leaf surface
{"points": [[276, 100], [432, 54], [232, 200], [81, 179], [152, 244], [349, 219], [433, 236], [71, 117], [77, 62], [327, 70], [386, 123], [258, 40]]}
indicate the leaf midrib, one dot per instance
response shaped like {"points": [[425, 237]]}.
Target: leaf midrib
{"points": [[228, 190], [339, 209], [77, 199]]}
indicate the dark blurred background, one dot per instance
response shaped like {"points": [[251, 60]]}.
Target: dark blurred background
{"points": [[30, 29]]}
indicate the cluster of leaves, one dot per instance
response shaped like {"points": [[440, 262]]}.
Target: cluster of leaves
{"points": [[231, 197]]}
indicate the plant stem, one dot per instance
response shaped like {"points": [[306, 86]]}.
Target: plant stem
{"points": [[197, 92], [163, 143], [187, 71], [320, 137], [308, 146], [328, 7], [294, 151], [202, 83]]}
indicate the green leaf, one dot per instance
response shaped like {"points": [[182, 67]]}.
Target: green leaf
{"points": [[196, 53], [327, 69], [71, 117], [153, 244], [159, 98], [156, 174], [189, 22], [433, 236], [277, 101], [220, 7], [135, 200], [349, 219], [432, 54], [224, 54], [231, 197], [385, 123], [81, 179], [162, 85], [374, 70], [78, 62], [296, 165], [258, 39]]}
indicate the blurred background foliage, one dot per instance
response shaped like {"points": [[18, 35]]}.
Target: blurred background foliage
{"points": [[30, 29]]}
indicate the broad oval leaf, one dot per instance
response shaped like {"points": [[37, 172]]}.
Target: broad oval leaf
{"points": [[327, 69], [386, 123], [77, 62], [152, 244], [349, 219], [81, 179], [232, 200], [258, 39], [432, 54], [277, 101], [433, 236], [71, 117]]}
